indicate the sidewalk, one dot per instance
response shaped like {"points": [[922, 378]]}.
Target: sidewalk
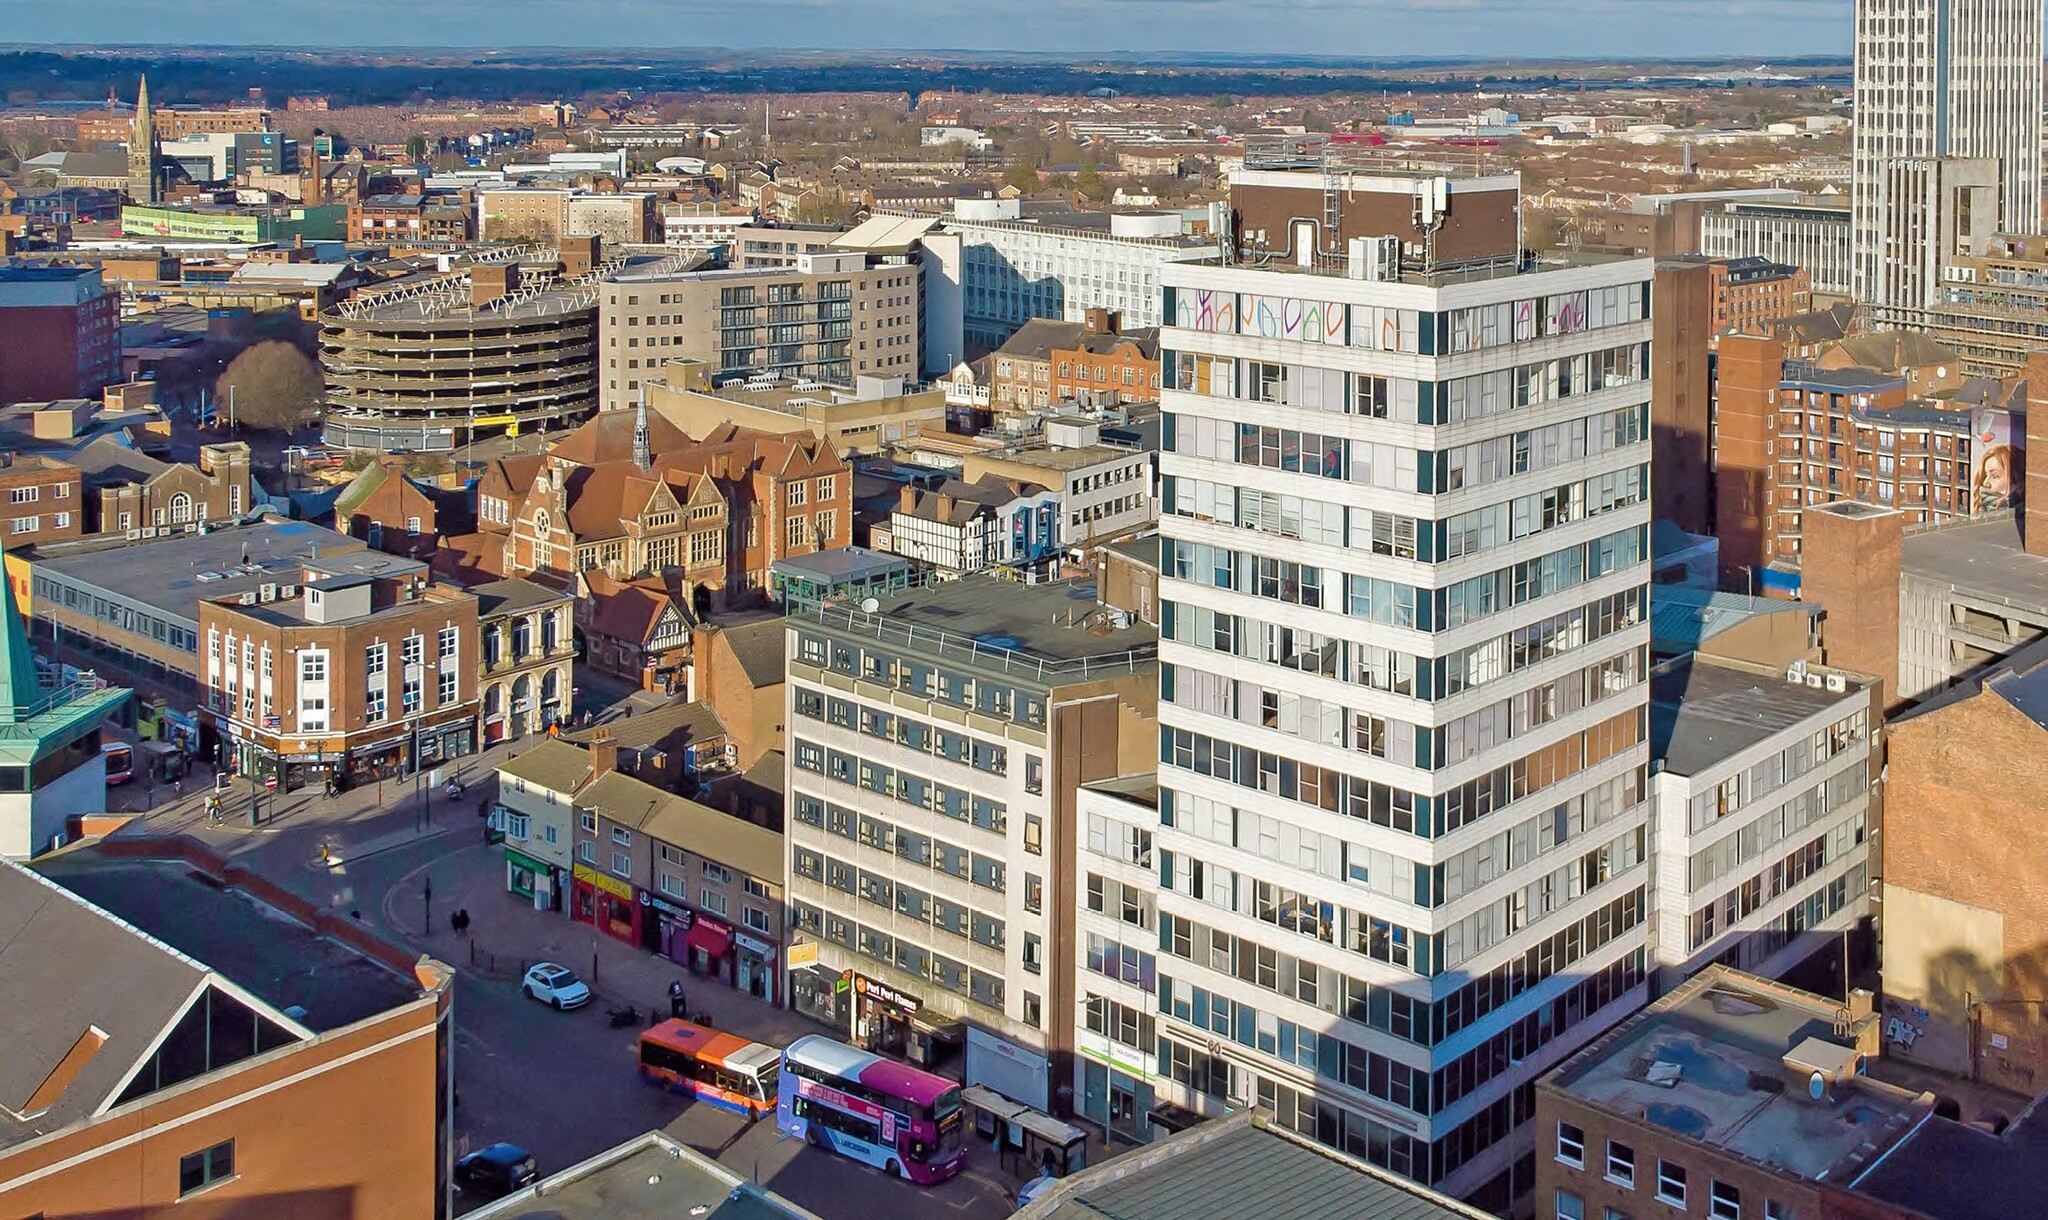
{"points": [[507, 935]]}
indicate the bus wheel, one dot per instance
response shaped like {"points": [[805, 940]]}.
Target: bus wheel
{"points": [[811, 1137], [893, 1169]]}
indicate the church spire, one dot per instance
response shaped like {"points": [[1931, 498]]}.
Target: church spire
{"points": [[142, 181], [641, 444]]}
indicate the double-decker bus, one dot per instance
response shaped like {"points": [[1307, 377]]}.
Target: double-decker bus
{"points": [[871, 1109], [721, 1068]]}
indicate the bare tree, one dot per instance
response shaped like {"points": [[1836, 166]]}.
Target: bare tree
{"points": [[274, 386]]}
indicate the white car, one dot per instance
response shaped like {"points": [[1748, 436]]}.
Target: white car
{"points": [[555, 986]]}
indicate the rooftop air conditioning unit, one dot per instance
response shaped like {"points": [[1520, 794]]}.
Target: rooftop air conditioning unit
{"points": [[248, 599], [1813, 681], [1837, 683], [287, 590], [267, 592], [1795, 673], [134, 534]]}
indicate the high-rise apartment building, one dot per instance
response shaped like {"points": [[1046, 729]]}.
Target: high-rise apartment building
{"points": [[1401, 831], [1937, 79]]}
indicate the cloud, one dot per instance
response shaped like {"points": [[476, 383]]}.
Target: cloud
{"points": [[1360, 28]]}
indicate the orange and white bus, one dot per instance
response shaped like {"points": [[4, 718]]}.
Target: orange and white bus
{"points": [[721, 1068]]}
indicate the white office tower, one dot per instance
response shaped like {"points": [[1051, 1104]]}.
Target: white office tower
{"points": [[1402, 792], [1939, 79]]}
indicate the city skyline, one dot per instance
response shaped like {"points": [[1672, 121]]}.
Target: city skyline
{"points": [[1651, 28]]}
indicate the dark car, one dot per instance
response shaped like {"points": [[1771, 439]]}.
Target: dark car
{"points": [[497, 1170]]}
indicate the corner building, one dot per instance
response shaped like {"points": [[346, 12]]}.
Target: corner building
{"points": [[1402, 786]]}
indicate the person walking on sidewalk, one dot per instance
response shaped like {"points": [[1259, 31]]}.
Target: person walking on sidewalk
{"points": [[675, 998]]}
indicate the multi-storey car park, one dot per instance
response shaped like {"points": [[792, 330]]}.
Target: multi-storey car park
{"points": [[508, 345]]}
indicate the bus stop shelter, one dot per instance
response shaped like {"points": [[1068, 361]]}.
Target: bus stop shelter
{"points": [[1027, 1141]]}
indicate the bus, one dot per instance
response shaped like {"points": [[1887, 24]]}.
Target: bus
{"points": [[874, 1110], [727, 1071], [120, 758]]}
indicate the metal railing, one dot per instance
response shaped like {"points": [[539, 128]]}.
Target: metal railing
{"points": [[934, 641]]}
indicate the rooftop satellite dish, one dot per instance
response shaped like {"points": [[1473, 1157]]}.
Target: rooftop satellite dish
{"points": [[869, 605]]}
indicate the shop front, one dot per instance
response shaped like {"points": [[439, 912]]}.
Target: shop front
{"points": [[754, 967], [709, 945], [537, 881], [891, 1022], [815, 992], [604, 902]]}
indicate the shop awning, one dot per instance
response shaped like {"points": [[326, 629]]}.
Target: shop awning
{"points": [[935, 1025], [713, 938]]}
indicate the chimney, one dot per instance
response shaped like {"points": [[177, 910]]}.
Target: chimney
{"points": [[488, 283], [2034, 486], [604, 753], [1103, 321], [945, 506], [906, 500]]}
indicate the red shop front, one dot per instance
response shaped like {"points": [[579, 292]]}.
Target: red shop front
{"points": [[604, 902]]}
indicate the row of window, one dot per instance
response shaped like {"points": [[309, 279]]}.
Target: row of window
{"points": [[913, 790], [1325, 1054], [1360, 529], [1426, 332], [1672, 1185], [904, 955], [989, 756], [889, 668]]}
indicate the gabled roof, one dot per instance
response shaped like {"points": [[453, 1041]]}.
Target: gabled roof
{"points": [[608, 437], [761, 650], [602, 498], [631, 612], [1040, 337], [694, 721], [713, 833], [470, 558], [1103, 343], [555, 766]]}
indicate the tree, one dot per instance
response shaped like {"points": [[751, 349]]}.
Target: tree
{"points": [[1023, 175], [416, 148], [1223, 101], [1090, 184], [822, 208], [274, 387]]}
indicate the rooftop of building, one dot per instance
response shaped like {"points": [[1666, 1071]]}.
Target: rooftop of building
{"points": [[236, 931], [42, 273], [761, 648], [1140, 789], [1059, 460], [651, 1177], [552, 764], [1682, 618], [846, 563], [692, 721], [668, 818], [514, 595], [1143, 550], [174, 574], [1706, 710], [1954, 1171], [1239, 1168], [1051, 632], [1984, 559], [1853, 379], [1507, 266], [1714, 1062]]}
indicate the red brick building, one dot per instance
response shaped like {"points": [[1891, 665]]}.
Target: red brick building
{"points": [[1750, 295], [361, 669], [41, 500], [63, 333]]}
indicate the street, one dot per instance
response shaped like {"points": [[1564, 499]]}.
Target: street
{"points": [[562, 1084]]}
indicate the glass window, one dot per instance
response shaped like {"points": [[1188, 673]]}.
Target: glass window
{"points": [[1571, 1145], [1671, 1183]]}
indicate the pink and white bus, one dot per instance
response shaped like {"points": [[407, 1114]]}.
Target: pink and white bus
{"points": [[874, 1110]]}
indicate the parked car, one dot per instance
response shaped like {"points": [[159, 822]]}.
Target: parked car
{"points": [[555, 986], [497, 1170]]}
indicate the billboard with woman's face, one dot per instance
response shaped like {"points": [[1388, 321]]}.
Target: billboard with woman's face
{"points": [[1996, 450]]}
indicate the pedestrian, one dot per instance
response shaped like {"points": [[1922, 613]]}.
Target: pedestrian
{"points": [[675, 998]]}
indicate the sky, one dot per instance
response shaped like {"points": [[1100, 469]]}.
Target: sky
{"points": [[1363, 28]]}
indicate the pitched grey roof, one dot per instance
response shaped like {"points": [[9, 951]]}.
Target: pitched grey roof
{"points": [[761, 650], [662, 815], [556, 766], [70, 967], [513, 595], [1240, 1169], [696, 721]]}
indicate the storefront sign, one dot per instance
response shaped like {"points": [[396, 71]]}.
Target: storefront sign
{"points": [[759, 948], [610, 885], [682, 917], [802, 954], [273, 723], [886, 994]]}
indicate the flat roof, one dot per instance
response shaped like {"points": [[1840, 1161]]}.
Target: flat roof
{"points": [[1951, 1171], [989, 619], [260, 948], [514, 594], [1063, 460], [1683, 618], [1704, 711], [651, 1177], [1240, 1168], [844, 563], [1984, 559], [166, 573], [1726, 1034]]}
